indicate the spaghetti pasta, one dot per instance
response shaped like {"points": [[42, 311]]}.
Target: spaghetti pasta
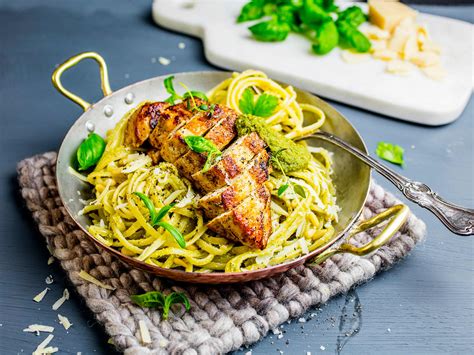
{"points": [[301, 223]]}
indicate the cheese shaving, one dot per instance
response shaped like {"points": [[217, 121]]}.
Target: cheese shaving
{"points": [[50, 260], [49, 280], [64, 321], [37, 328], [39, 297], [144, 332], [48, 350], [41, 347], [87, 277], [61, 300]]}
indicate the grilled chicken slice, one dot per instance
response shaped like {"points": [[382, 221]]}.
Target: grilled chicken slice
{"points": [[228, 197], [170, 120], [234, 159], [249, 223], [221, 135], [174, 145], [142, 123]]}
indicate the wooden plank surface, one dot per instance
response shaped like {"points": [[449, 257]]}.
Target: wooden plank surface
{"points": [[423, 305]]}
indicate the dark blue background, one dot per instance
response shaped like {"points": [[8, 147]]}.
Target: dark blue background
{"points": [[425, 301]]}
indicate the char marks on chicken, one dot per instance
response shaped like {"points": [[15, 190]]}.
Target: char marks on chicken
{"points": [[236, 200]]}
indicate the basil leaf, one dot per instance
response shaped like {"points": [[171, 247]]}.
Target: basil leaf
{"points": [[246, 102], [312, 13], [174, 232], [174, 298], [200, 144], [211, 158], [265, 105], [353, 15], [353, 37], [162, 212], [149, 205], [329, 5], [198, 94], [168, 83], [282, 189], [90, 151], [327, 37], [149, 299], [390, 152], [299, 190], [289, 14], [270, 31], [251, 11]]}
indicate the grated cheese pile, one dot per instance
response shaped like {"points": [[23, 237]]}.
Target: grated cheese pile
{"points": [[399, 40]]}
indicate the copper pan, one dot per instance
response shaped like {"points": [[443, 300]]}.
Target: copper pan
{"points": [[351, 176]]}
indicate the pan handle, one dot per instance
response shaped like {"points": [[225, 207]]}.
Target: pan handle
{"points": [[398, 215], [71, 62]]}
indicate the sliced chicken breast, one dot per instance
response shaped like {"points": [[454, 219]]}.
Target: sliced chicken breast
{"points": [[142, 123], [221, 135], [174, 145], [249, 222], [233, 161], [227, 197]]}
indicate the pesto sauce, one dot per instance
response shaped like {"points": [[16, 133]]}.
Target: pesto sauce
{"points": [[292, 156]]}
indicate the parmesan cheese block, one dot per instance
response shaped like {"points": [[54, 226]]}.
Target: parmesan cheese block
{"points": [[387, 15]]}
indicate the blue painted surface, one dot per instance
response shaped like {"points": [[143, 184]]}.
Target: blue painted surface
{"points": [[422, 305]]}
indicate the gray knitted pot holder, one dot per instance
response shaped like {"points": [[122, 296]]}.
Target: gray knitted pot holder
{"points": [[222, 318]]}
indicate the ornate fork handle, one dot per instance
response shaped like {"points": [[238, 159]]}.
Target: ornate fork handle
{"points": [[459, 220]]}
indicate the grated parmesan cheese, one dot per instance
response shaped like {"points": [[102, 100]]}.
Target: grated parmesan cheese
{"points": [[87, 277], [39, 297], [61, 300], [64, 321], [42, 346], [49, 280], [144, 332], [37, 328]]}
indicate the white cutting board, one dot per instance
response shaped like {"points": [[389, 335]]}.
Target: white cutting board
{"points": [[413, 98]]}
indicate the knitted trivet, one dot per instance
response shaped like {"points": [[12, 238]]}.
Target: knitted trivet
{"points": [[222, 318]]}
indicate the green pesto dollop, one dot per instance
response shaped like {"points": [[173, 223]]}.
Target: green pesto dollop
{"points": [[292, 156]]}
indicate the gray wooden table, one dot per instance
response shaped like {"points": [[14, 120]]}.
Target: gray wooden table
{"points": [[423, 305]]}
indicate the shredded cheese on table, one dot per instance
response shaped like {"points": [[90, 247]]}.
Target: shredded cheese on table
{"points": [[88, 277], [39, 297], [37, 328], [61, 300], [64, 321], [42, 346]]}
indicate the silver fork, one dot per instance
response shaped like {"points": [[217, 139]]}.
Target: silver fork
{"points": [[457, 219]]}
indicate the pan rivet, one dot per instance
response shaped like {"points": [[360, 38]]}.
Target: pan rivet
{"points": [[129, 98], [90, 126], [108, 110]]}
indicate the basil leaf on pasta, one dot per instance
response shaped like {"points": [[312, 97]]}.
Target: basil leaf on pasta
{"points": [[265, 105], [282, 189], [149, 205], [90, 151], [299, 190], [174, 232]]}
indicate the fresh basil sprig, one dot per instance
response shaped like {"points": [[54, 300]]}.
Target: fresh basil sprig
{"points": [[200, 144], [156, 299], [263, 107], [157, 216], [390, 152], [296, 187], [319, 20], [90, 151], [168, 83]]}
